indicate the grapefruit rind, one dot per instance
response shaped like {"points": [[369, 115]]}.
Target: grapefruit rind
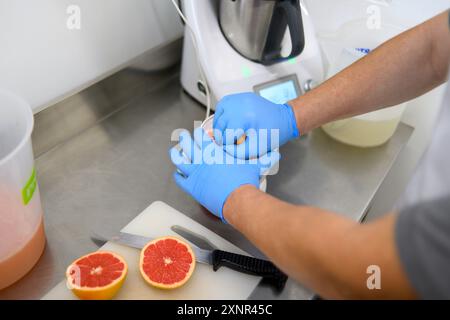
{"points": [[97, 293], [162, 285]]}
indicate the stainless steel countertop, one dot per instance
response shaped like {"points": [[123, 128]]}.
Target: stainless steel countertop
{"points": [[106, 175]]}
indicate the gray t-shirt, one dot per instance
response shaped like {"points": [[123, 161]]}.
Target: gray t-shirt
{"points": [[423, 225]]}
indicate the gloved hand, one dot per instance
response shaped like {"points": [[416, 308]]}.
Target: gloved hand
{"points": [[249, 113], [210, 175]]}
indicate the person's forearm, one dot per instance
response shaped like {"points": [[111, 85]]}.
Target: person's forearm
{"points": [[403, 68], [324, 251]]}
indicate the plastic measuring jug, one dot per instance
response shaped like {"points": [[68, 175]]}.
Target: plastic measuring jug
{"points": [[374, 128], [22, 238]]}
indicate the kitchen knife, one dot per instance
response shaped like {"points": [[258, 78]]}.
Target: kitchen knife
{"points": [[217, 258]]}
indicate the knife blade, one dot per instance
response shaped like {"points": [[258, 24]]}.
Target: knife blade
{"points": [[199, 240], [217, 258]]}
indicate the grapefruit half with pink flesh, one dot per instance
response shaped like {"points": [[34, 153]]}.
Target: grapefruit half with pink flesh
{"points": [[97, 276], [167, 263]]}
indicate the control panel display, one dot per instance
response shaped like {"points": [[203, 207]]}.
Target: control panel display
{"points": [[279, 91]]}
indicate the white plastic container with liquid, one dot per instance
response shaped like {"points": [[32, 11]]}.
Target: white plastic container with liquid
{"points": [[354, 41], [22, 237]]}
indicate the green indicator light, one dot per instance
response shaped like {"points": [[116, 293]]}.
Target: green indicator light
{"points": [[246, 72], [292, 61]]}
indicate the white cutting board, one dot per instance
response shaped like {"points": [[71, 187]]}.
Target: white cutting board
{"points": [[156, 221]]}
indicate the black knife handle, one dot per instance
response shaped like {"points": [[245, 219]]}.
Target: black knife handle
{"points": [[249, 265]]}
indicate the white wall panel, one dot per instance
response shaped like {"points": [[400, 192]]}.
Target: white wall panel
{"points": [[43, 61]]}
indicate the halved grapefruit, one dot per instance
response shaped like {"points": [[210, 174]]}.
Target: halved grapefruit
{"points": [[97, 276], [167, 263]]}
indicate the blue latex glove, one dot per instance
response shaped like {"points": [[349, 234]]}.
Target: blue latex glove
{"points": [[209, 174], [249, 113]]}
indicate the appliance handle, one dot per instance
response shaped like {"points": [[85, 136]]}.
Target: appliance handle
{"points": [[292, 11]]}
